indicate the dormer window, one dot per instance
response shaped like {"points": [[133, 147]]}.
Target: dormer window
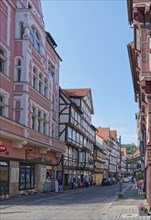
{"points": [[29, 6], [35, 39]]}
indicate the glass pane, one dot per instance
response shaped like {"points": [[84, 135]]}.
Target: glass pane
{"points": [[22, 178], [32, 178], [28, 178], [3, 174], [2, 66]]}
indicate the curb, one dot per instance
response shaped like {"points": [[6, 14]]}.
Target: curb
{"points": [[114, 199]]}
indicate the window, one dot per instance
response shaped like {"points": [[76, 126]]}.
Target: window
{"points": [[35, 39], [39, 121], [138, 40], [39, 125], [29, 6], [35, 78], [34, 110], [2, 61], [2, 105], [34, 82], [53, 130], [77, 101], [44, 127], [18, 70], [81, 139], [53, 103], [69, 133], [46, 91], [33, 122], [35, 70], [74, 135], [21, 30], [51, 70], [40, 87]]}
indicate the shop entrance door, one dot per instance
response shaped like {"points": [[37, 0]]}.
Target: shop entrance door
{"points": [[26, 177], [4, 178]]}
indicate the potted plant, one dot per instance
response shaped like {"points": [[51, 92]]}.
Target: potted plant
{"points": [[143, 195]]}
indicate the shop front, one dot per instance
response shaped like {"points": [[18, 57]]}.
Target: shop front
{"points": [[25, 170]]}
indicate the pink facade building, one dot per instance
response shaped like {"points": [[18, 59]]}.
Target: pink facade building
{"points": [[139, 15], [29, 99]]}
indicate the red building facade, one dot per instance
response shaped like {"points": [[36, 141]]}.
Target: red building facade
{"points": [[139, 14], [29, 99]]}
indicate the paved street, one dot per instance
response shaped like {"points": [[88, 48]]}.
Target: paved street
{"points": [[95, 202], [85, 203]]}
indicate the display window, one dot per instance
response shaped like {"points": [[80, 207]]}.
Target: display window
{"points": [[4, 178], [26, 176]]}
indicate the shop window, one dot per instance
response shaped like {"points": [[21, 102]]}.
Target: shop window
{"points": [[4, 180], [26, 177]]}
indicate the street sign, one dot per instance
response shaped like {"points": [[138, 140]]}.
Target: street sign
{"points": [[3, 148]]}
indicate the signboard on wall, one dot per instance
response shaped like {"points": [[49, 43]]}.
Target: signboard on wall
{"points": [[3, 149], [32, 156]]}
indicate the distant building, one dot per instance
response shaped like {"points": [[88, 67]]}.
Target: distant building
{"points": [[100, 165], [113, 149]]}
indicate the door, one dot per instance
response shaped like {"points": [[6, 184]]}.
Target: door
{"points": [[26, 177]]}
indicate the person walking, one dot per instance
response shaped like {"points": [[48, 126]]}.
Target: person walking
{"points": [[60, 184]]}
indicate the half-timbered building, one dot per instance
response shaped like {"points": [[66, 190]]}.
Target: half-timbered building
{"points": [[78, 134]]}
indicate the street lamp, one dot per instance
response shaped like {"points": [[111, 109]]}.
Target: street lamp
{"points": [[120, 185]]}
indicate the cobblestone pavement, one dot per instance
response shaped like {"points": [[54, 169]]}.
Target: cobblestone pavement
{"points": [[125, 208], [93, 203]]}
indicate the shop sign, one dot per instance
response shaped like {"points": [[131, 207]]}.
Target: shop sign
{"points": [[3, 148], [30, 155], [40, 159]]}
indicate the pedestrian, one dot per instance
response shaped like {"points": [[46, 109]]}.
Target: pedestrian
{"points": [[60, 184]]}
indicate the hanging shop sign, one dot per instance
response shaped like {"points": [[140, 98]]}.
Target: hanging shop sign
{"points": [[3, 148]]}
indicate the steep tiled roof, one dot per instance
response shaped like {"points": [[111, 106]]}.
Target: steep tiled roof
{"points": [[113, 133], [123, 150], [77, 92], [136, 153], [103, 132]]}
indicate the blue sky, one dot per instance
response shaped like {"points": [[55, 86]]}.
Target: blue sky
{"points": [[92, 38]]}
